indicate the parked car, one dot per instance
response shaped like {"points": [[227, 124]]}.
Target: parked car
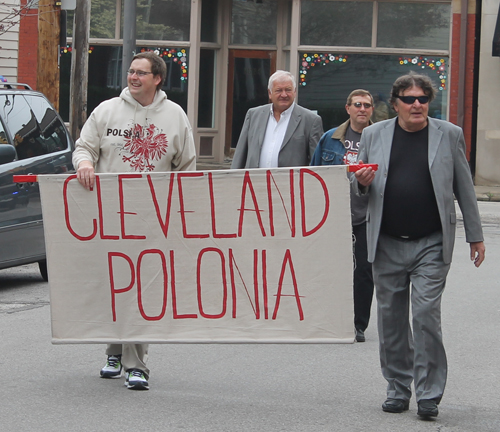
{"points": [[33, 140]]}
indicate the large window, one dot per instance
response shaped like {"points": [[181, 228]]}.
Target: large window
{"points": [[413, 25], [209, 12], [421, 25], [104, 77], [326, 79], [163, 20], [206, 95], [156, 19], [380, 32], [102, 19], [337, 23], [254, 23]]}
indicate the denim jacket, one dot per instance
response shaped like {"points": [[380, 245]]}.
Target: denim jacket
{"points": [[330, 149]]}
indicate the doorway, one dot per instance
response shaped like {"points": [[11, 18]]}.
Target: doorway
{"points": [[248, 75]]}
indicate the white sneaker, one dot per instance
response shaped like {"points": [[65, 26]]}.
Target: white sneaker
{"points": [[136, 380], [113, 368]]}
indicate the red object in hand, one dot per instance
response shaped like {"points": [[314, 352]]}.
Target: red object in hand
{"points": [[30, 178], [354, 168]]}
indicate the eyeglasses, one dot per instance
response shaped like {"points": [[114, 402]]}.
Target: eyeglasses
{"points": [[287, 90], [138, 73], [410, 100], [365, 104]]}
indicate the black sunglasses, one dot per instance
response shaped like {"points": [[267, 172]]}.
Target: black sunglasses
{"points": [[410, 100], [365, 104]]}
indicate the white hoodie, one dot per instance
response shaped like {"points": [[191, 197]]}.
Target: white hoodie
{"points": [[122, 136]]}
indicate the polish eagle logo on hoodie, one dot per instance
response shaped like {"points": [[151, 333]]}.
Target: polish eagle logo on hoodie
{"points": [[143, 146]]}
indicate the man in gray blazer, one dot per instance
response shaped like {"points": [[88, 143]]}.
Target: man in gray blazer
{"points": [[411, 225], [279, 134]]}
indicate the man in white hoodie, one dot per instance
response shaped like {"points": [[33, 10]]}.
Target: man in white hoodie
{"points": [[141, 130]]}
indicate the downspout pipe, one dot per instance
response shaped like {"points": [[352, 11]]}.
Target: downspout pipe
{"points": [[462, 63]]}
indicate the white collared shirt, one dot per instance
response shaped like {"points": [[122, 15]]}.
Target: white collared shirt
{"points": [[273, 139]]}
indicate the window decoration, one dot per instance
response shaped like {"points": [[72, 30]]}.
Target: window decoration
{"points": [[67, 49], [437, 65], [311, 60], [176, 55]]}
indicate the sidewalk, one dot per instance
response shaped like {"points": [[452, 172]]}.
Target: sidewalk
{"points": [[488, 193]]}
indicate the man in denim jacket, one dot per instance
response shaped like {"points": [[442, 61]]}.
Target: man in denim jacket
{"points": [[340, 146]]}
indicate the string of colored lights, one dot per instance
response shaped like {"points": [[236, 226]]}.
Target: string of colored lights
{"points": [[177, 55], [311, 60]]}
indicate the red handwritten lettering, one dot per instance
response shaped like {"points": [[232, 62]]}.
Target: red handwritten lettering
{"points": [[101, 218], [256, 282], [233, 285], [232, 266], [264, 284], [163, 225], [122, 211], [247, 183], [66, 214], [305, 232], [290, 217], [212, 208], [139, 284], [288, 259], [254, 299], [182, 210], [224, 283], [174, 292], [115, 291]]}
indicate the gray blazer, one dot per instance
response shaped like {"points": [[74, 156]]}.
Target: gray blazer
{"points": [[301, 137], [450, 175]]}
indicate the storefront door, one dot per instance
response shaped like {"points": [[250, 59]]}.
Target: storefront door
{"points": [[248, 75]]}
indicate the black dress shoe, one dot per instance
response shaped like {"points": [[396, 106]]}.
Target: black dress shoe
{"points": [[427, 408], [395, 405], [360, 335]]}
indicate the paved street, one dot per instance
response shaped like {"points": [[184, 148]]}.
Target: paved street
{"points": [[47, 387]]}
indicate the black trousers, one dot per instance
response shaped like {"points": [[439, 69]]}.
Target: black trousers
{"points": [[363, 278]]}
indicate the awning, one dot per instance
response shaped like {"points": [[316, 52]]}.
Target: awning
{"points": [[496, 37]]}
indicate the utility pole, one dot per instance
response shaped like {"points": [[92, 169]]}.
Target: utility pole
{"points": [[48, 50], [129, 35], [79, 68]]}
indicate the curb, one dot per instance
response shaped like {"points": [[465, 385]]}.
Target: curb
{"points": [[487, 193]]}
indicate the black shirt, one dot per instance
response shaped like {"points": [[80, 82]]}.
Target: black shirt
{"points": [[410, 208]]}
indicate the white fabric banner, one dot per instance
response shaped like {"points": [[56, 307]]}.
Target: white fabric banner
{"points": [[261, 255]]}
